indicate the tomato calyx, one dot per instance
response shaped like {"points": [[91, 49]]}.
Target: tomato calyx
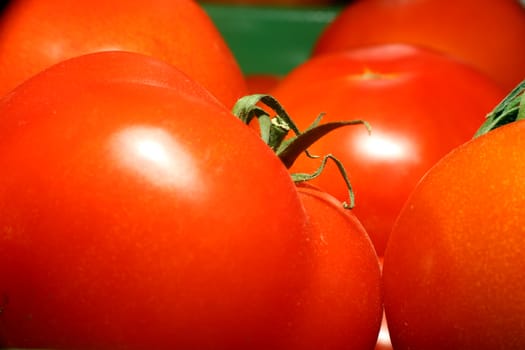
{"points": [[510, 109], [275, 129]]}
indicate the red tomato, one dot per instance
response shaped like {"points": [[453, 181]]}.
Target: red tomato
{"points": [[135, 217], [485, 34], [261, 83], [126, 67], [35, 34], [419, 104], [342, 306], [453, 268]]}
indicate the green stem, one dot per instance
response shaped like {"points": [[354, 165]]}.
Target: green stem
{"points": [[290, 150], [274, 131], [299, 177], [510, 109]]}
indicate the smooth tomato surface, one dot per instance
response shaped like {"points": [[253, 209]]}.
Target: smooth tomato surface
{"points": [[135, 217], [341, 307], [453, 268], [118, 67], [36, 34], [485, 34], [261, 83], [419, 104]]}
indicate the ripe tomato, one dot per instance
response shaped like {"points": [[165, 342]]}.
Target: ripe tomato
{"points": [[261, 83], [453, 268], [419, 104], [126, 67], [485, 34], [135, 217], [342, 306], [36, 34]]}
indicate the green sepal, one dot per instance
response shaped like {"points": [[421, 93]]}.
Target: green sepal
{"points": [[290, 149], [247, 108], [299, 177], [275, 129], [510, 109]]}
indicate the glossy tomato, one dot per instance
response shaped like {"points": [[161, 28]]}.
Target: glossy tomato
{"points": [[419, 104], [135, 217], [35, 34], [342, 306], [485, 34], [453, 268]]}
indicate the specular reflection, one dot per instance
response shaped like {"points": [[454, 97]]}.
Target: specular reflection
{"points": [[155, 155], [387, 147]]}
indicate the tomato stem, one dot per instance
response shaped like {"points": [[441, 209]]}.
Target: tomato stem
{"points": [[299, 177], [293, 147], [274, 131], [510, 109]]}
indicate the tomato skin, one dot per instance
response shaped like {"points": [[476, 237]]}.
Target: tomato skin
{"points": [[419, 104], [36, 34], [484, 35], [261, 83], [124, 67], [456, 251], [342, 306], [130, 219]]}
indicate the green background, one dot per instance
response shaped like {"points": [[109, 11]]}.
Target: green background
{"points": [[270, 40]]}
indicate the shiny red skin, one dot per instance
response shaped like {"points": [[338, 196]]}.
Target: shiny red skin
{"points": [[35, 34], [420, 105], [341, 307], [484, 34], [453, 268], [261, 83], [130, 218]]}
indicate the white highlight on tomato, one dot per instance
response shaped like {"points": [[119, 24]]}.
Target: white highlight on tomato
{"points": [[386, 147], [155, 155]]}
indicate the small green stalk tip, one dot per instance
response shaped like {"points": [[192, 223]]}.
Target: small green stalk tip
{"points": [[510, 109]]}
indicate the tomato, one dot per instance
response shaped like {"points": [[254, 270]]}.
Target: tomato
{"points": [[261, 83], [135, 217], [453, 268], [121, 66], [342, 306], [36, 34], [420, 105], [486, 35]]}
